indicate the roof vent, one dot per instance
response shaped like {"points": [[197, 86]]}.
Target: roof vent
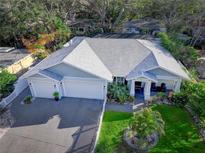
{"points": [[6, 49]]}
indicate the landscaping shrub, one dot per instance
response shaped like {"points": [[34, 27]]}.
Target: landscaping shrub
{"points": [[6, 82], [195, 93], [180, 99], [28, 99], [42, 55], [147, 122], [119, 92], [130, 98]]}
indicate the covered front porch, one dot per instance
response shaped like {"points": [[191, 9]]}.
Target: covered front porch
{"points": [[143, 88]]}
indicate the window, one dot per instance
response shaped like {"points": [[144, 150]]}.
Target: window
{"points": [[119, 79]]}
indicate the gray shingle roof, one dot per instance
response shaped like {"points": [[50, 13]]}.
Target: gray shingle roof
{"points": [[112, 57], [54, 58], [120, 56]]}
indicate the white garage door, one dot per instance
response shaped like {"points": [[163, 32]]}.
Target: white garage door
{"points": [[43, 88], [84, 89]]}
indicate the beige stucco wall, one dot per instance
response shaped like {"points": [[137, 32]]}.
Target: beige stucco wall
{"points": [[20, 65]]}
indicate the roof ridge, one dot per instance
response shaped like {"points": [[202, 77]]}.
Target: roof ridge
{"points": [[148, 49], [98, 57]]}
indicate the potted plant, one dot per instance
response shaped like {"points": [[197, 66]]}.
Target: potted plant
{"points": [[56, 95]]}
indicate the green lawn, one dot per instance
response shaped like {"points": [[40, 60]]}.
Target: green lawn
{"points": [[181, 135]]}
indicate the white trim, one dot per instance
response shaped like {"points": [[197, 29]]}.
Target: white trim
{"points": [[166, 70], [152, 68], [81, 78], [141, 76], [47, 76], [99, 125], [167, 77]]}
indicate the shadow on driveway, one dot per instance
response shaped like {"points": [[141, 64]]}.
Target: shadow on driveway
{"points": [[68, 125]]}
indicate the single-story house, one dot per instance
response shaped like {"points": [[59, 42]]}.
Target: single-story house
{"points": [[148, 26], [85, 66], [15, 60]]}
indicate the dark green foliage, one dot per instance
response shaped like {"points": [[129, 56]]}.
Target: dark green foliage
{"points": [[195, 93], [41, 55], [56, 94], [6, 82], [28, 99], [180, 99], [119, 92], [186, 54], [147, 122]]}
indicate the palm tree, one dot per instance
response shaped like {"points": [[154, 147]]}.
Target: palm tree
{"points": [[147, 122]]}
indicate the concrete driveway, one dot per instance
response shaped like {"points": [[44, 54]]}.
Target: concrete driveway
{"points": [[69, 125]]}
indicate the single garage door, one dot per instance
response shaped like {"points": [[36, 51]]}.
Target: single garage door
{"points": [[43, 88], [84, 89]]}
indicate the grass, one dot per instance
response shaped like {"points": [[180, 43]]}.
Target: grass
{"points": [[180, 133], [111, 133]]}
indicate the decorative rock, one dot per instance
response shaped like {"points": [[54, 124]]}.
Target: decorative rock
{"points": [[197, 121], [152, 140]]}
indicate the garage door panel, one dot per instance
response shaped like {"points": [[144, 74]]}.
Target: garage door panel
{"points": [[43, 88], [84, 89]]}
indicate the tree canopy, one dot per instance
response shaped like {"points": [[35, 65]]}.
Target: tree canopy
{"points": [[26, 18]]}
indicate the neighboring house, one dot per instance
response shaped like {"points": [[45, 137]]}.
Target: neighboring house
{"points": [[82, 27], [143, 27], [15, 60], [86, 65]]}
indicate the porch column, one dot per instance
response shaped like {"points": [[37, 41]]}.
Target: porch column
{"points": [[177, 85], [132, 88], [147, 89]]}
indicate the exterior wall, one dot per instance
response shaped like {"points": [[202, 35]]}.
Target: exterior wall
{"points": [[66, 70], [161, 72], [20, 65]]}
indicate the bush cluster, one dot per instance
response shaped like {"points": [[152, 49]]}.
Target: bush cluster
{"points": [[192, 94], [119, 92], [186, 54], [6, 82]]}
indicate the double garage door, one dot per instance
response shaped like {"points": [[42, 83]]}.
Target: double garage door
{"points": [[92, 89]]}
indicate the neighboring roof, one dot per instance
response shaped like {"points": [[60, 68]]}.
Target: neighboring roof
{"points": [[148, 23], [112, 57], [9, 56]]}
